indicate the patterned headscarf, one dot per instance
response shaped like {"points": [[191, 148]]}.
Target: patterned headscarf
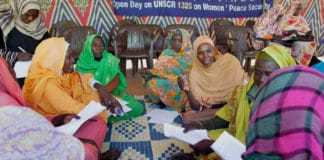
{"points": [[10, 17], [27, 135], [287, 119]]}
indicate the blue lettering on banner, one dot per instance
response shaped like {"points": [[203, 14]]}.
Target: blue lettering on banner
{"points": [[192, 8]]}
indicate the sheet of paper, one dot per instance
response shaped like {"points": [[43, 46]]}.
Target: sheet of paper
{"points": [[191, 137], [124, 106], [228, 147], [161, 116], [21, 68], [91, 110]]}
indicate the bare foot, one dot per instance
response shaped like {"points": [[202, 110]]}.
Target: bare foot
{"points": [[111, 154]]}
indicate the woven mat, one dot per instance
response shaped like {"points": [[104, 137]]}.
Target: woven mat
{"points": [[140, 140]]}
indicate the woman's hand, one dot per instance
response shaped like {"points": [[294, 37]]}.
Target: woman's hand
{"points": [[192, 126], [63, 119], [24, 56], [106, 99], [203, 146], [183, 83]]}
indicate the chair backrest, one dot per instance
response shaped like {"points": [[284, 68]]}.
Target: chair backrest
{"points": [[191, 28], [240, 40], [76, 37], [133, 37], [57, 29], [157, 35], [113, 32], [218, 31]]}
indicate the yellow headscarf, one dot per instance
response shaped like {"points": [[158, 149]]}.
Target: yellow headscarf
{"points": [[239, 104], [47, 63], [213, 83]]}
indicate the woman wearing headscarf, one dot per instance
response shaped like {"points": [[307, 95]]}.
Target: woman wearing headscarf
{"points": [[23, 29], [22, 120], [292, 22], [161, 81], [95, 60], [287, 118], [53, 88], [234, 116], [212, 77], [22, 25]]}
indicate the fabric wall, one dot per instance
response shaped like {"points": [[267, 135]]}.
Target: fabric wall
{"points": [[99, 13]]}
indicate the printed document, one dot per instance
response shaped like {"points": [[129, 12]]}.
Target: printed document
{"points": [[21, 68], [191, 137], [91, 110]]}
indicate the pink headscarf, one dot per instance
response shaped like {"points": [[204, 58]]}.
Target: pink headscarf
{"points": [[10, 92]]}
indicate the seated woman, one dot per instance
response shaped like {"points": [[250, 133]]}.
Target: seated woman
{"points": [[275, 132], [52, 88], [10, 95], [95, 60], [213, 77], [234, 116], [264, 25], [23, 28], [292, 23], [161, 81]]}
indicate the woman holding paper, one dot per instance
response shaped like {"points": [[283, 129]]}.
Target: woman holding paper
{"points": [[65, 146], [95, 60], [22, 25], [53, 88], [287, 118], [234, 116]]}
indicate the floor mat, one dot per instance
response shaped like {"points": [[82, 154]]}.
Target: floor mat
{"points": [[140, 140]]}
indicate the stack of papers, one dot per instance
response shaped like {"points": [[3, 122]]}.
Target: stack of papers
{"points": [[191, 137], [161, 116], [91, 110], [228, 147]]}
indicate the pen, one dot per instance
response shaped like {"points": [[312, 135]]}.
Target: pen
{"points": [[21, 49]]}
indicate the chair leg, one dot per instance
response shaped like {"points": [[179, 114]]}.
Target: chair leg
{"points": [[135, 66], [123, 65]]}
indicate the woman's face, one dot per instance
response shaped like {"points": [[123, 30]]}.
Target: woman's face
{"points": [[263, 68], [97, 47], [176, 42], [69, 61], [30, 16], [206, 54]]}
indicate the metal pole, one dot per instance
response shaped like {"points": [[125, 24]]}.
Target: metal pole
{"points": [[263, 5]]}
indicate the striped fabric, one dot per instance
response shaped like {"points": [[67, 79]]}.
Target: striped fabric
{"points": [[287, 119]]}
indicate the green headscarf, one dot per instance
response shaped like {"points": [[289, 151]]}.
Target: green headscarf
{"points": [[104, 70]]}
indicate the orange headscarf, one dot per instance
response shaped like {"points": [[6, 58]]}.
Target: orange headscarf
{"points": [[213, 83]]}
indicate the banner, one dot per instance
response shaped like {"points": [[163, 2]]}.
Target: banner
{"points": [[192, 8]]}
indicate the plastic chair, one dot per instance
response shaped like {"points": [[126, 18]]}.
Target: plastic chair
{"points": [[76, 37], [131, 45], [113, 34], [218, 32], [57, 29]]}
